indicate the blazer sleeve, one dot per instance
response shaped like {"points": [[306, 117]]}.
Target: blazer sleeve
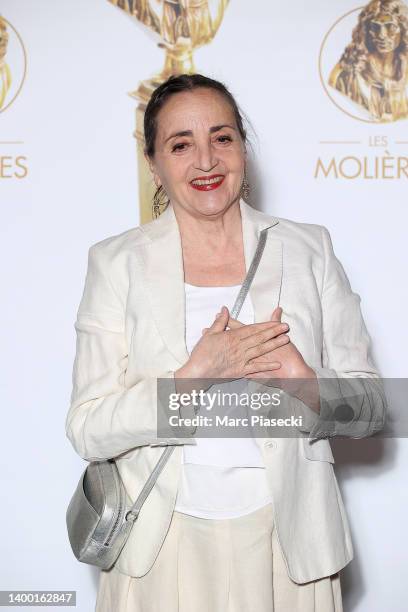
{"points": [[105, 418], [352, 397]]}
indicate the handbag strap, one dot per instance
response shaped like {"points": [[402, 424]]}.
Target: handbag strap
{"points": [[250, 275], [133, 513]]}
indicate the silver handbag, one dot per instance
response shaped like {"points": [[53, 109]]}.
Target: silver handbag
{"points": [[100, 516]]}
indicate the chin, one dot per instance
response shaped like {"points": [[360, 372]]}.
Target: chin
{"points": [[211, 207]]}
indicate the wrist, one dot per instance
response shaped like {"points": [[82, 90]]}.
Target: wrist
{"points": [[194, 368], [187, 371], [308, 391], [188, 378]]}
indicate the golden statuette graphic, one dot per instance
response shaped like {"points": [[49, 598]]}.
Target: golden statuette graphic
{"points": [[181, 26], [5, 74], [373, 70]]}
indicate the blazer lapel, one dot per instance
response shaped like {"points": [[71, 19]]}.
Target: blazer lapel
{"points": [[163, 272]]}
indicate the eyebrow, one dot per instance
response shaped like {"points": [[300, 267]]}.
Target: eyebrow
{"points": [[214, 128]]}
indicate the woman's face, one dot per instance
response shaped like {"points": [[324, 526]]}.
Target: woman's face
{"points": [[198, 139]]}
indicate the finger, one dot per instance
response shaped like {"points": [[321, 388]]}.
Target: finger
{"points": [[267, 374], [220, 320], [251, 329], [277, 314], [254, 368], [266, 347], [264, 336], [234, 323]]}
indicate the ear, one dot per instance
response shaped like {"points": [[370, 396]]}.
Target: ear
{"points": [[152, 169], [149, 161]]}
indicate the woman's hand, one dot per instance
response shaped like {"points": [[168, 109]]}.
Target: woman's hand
{"points": [[292, 363], [235, 352], [294, 376]]}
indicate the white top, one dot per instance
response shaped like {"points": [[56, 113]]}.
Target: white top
{"points": [[220, 477]]}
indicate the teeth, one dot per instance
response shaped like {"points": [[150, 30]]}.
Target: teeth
{"points": [[207, 181]]}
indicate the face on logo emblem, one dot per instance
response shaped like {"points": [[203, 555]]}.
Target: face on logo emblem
{"points": [[3, 39], [384, 34], [368, 73], [13, 62]]}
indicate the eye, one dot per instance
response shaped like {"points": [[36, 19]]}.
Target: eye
{"points": [[225, 137], [178, 145]]}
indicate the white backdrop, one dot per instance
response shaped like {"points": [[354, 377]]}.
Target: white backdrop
{"points": [[73, 121]]}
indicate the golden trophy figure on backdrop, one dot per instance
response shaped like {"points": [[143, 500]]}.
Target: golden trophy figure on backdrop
{"points": [[5, 74], [181, 27], [373, 70]]}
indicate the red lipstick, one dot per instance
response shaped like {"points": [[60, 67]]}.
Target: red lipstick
{"points": [[215, 181]]}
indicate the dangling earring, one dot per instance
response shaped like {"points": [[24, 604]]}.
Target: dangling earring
{"points": [[157, 202], [245, 187]]}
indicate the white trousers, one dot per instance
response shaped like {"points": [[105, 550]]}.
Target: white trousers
{"points": [[226, 565]]}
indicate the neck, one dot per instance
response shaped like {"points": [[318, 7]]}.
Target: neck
{"points": [[215, 231]]}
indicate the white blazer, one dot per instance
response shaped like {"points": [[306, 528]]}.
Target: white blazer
{"points": [[131, 330]]}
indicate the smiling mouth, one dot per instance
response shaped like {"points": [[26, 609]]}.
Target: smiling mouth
{"points": [[207, 184]]}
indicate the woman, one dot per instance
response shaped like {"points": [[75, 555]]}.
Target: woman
{"points": [[241, 525]]}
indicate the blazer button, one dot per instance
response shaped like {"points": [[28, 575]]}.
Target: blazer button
{"points": [[270, 444]]}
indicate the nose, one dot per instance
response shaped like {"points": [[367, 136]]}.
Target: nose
{"points": [[383, 33], [206, 157]]}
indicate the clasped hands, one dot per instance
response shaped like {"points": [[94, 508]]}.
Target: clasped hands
{"points": [[229, 349], [272, 348]]}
